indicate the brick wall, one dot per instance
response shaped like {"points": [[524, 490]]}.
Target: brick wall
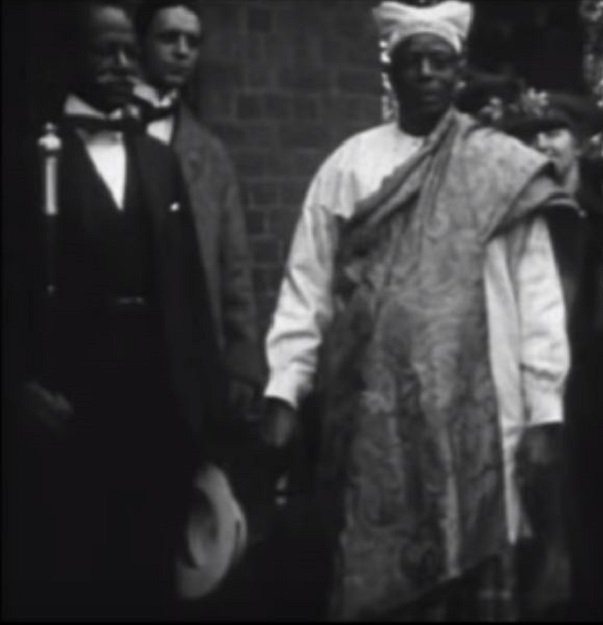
{"points": [[282, 83]]}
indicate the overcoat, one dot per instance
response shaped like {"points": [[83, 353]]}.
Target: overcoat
{"points": [[220, 227]]}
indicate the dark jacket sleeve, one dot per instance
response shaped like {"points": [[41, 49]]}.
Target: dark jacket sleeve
{"points": [[22, 240], [213, 378], [242, 348]]}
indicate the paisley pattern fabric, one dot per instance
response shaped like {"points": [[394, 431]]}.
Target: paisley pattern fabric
{"points": [[411, 468]]}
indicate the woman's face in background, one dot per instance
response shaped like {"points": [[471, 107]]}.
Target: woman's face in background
{"points": [[560, 145]]}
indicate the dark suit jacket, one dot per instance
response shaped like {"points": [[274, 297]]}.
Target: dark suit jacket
{"points": [[189, 334], [577, 245], [220, 227]]}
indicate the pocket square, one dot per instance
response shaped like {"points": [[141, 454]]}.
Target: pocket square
{"points": [[175, 207]]}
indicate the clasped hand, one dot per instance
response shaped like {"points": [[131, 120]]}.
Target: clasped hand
{"points": [[278, 423]]}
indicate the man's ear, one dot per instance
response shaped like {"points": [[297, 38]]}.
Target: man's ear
{"points": [[582, 143], [461, 73], [462, 63], [386, 68]]}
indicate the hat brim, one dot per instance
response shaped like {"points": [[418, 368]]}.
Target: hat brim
{"points": [[216, 537], [528, 127]]}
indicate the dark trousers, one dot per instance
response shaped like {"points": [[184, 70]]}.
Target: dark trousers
{"points": [[124, 475], [584, 410]]}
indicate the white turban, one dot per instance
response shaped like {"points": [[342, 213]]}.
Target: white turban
{"points": [[449, 20]]}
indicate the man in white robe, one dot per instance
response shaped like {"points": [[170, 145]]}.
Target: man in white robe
{"points": [[527, 349]]}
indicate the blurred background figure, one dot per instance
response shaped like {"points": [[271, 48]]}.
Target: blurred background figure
{"points": [[566, 128], [561, 126]]}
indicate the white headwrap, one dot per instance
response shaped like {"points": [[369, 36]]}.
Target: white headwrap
{"points": [[449, 20]]}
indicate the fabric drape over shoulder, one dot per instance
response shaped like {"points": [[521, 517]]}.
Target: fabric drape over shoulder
{"points": [[411, 462]]}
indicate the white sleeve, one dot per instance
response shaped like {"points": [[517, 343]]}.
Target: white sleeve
{"points": [[304, 307], [544, 348]]}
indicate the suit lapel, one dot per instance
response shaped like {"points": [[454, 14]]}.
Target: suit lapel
{"points": [[84, 195], [153, 184], [186, 143], [159, 199], [204, 181]]}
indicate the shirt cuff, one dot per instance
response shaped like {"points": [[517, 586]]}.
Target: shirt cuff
{"points": [[545, 407], [289, 386]]}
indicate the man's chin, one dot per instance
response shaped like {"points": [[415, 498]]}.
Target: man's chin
{"points": [[175, 81], [114, 102], [429, 107], [560, 171], [120, 96], [432, 106], [117, 86]]}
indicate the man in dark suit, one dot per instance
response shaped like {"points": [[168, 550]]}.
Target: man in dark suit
{"points": [[125, 369], [170, 33]]}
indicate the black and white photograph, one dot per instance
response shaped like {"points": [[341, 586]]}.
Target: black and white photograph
{"points": [[302, 310]]}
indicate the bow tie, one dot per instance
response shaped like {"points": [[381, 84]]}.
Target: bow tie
{"points": [[150, 113], [155, 113], [96, 125]]}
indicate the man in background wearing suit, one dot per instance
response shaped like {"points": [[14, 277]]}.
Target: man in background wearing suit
{"points": [[129, 372], [170, 35]]}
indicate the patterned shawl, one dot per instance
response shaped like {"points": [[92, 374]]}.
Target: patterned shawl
{"points": [[410, 477]]}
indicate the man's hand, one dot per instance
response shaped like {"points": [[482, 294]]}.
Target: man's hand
{"points": [[278, 423], [539, 474], [45, 408], [241, 398], [539, 448], [545, 559]]}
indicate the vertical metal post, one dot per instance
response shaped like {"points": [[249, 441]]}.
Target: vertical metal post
{"points": [[49, 145]]}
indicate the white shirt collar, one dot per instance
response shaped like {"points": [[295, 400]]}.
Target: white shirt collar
{"points": [[74, 105], [151, 94]]}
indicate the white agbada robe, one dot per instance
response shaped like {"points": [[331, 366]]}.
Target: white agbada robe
{"points": [[529, 352]]}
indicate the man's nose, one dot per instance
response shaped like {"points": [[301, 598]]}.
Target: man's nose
{"points": [[182, 46], [425, 67], [123, 59], [541, 141]]}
